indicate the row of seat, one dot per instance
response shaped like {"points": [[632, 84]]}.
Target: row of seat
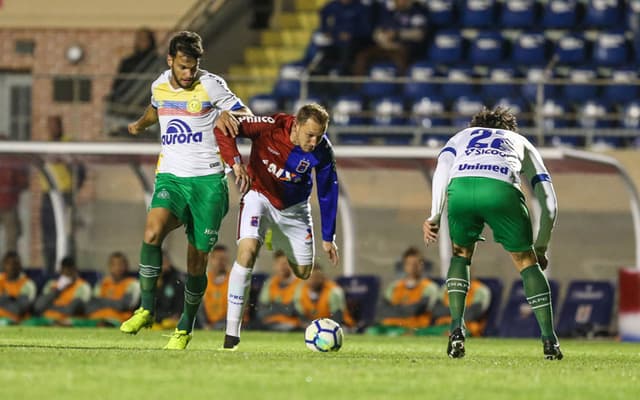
{"points": [[518, 14]]}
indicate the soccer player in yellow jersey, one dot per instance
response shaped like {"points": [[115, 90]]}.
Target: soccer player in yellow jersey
{"points": [[191, 187]]}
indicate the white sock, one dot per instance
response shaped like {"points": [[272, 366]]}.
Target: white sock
{"points": [[239, 282]]}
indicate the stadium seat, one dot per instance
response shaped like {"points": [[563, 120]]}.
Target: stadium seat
{"points": [[579, 90], [530, 50], [602, 14], [459, 83], [441, 12], [361, 292], [518, 108], [560, 14], [554, 114], [621, 93], [91, 276], [594, 114], [38, 276], [518, 319], [631, 115], [535, 76], [288, 85], [264, 104], [587, 309], [389, 111], [487, 48], [446, 48], [464, 108], [378, 84], [500, 86], [518, 14], [478, 13], [571, 49], [416, 87], [347, 111], [493, 313], [611, 50], [429, 112]]}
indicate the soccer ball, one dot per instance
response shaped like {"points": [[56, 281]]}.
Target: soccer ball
{"points": [[323, 335]]}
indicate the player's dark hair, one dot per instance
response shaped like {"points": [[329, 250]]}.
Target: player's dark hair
{"points": [[314, 111], [188, 43], [278, 253], [412, 251], [498, 118]]}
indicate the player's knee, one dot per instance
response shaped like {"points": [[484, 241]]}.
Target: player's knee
{"points": [[152, 235]]}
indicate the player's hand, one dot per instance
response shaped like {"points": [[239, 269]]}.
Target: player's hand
{"points": [[541, 254], [134, 128], [430, 232], [332, 252], [228, 124], [243, 181]]}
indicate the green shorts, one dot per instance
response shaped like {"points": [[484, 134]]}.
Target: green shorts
{"points": [[474, 201], [199, 202]]}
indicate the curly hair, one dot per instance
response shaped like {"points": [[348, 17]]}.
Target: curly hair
{"points": [[498, 118]]}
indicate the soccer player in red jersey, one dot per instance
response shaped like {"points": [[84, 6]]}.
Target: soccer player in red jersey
{"points": [[285, 149]]}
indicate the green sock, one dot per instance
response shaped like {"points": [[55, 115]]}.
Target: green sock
{"points": [[536, 288], [457, 287], [193, 292], [150, 267]]}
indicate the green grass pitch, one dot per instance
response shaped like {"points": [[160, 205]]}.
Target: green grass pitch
{"points": [[62, 363]]}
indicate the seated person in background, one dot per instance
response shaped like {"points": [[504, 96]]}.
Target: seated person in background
{"points": [[116, 296], [276, 311], [143, 56], [62, 298], [17, 291], [170, 295], [320, 297], [407, 302], [475, 313], [213, 312], [400, 37]]}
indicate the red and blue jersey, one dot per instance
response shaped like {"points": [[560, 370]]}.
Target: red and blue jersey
{"points": [[281, 170]]}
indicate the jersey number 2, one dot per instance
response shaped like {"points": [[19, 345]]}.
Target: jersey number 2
{"points": [[478, 142]]}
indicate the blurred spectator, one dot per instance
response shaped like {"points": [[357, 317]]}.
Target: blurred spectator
{"points": [[276, 310], [213, 312], [116, 296], [346, 24], [400, 37], [320, 297], [262, 10], [143, 56], [475, 314], [14, 178], [66, 178], [407, 302], [17, 291], [170, 295], [63, 297]]}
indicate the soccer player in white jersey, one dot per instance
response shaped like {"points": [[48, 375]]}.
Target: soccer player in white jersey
{"points": [[478, 172], [191, 186]]}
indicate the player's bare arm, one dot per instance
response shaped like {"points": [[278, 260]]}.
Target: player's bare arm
{"points": [[332, 252], [228, 123], [149, 118], [243, 181]]}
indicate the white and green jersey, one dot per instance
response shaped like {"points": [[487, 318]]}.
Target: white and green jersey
{"points": [[187, 118], [496, 154]]}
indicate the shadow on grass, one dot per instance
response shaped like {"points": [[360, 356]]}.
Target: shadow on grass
{"points": [[70, 347]]}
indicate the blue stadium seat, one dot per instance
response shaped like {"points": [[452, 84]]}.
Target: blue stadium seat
{"points": [[587, 309], [441, 12], [417, 88], [631, 115], [429, 112], [621, 93], [594, 114], [288, 85], [518, 319], [554, 112], [376, 86], [487, 48], [518, 107], [91, 276], [389, 111], [536, 75], [361, 292], [348, 110], [518, 14], [602, 14], [446, 48], [478, 13], [459, 83], [264, 104], [493, 313], [464, 108], [611, 50], [297, 103], [490, 92], [560, 14], [571, 49], [530, 49], [38, 276], [579, 90]]}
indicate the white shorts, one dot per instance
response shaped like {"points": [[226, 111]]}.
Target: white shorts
{"points": [[292, 228]]}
